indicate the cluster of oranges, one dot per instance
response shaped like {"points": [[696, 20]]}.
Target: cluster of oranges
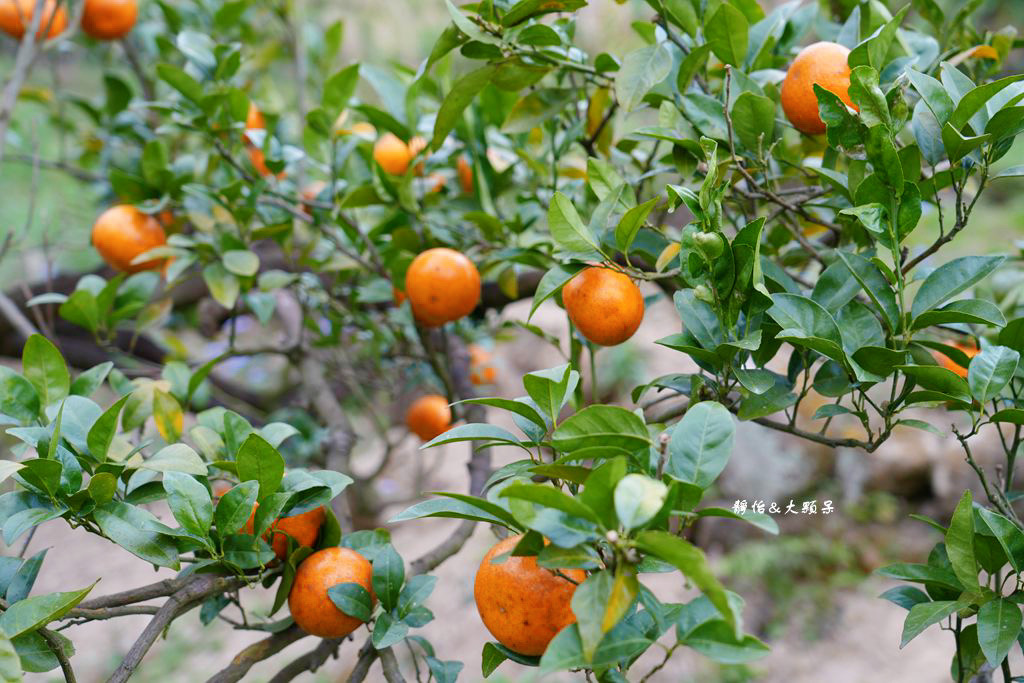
{"points": [[101, 19], [522, 604], [394, 156]]}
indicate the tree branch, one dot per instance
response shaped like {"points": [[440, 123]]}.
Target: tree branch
{"points": [[256, 653], [310, 661], [197, 589]]}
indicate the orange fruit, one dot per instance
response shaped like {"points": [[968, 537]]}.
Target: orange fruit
{"points": [[123, 232], [109, 19], [604, 305], [435, 183], [442, 285], [948, 363], [308, 602], [392, 154], [429, 416], [303, 528], [481, 367], [417, 145], [465, 173], [16, 16], [823, 64], [523, 605], [259, 161], [254, 119]]}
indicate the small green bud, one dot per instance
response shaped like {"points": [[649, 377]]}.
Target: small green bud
{"points": [[703, 293]]}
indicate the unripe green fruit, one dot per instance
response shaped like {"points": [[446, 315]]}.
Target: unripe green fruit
{"points": [[711, 244]]}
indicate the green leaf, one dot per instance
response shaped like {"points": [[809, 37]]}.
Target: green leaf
{"points": [[701, 444], [974, 101], [18, 397], [758, 519], [905, 596], [44, 367], [872, 50], [339, 88], [716, 640], [631, 222], [691, 561], [960, 543], [552, 281], [453, 508], [235, 507], [638, 498], [35, 612], [959, 145], [588, 604], [605, 426], [1008, 535], [474, 432], [387, 631], [550, 497], [641, 70], [177, 457], [866, 94], [924, 614], [224, 286], [971, 311], [599, 487], [104, 429], [999, 624], [180, 81], [527, 9], [189, 501], [458, 98], [921, 573], [937, 379], [807, 323], [241, 262], [258, 461], [490, 659], [753, 119], [727, 32], [933, 94], [352, 599], [131, 528], [567, 228], [950, 279], [10, 664], [991, 370], [92, 379], [388, 576]]}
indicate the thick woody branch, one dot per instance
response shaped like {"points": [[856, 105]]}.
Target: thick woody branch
{"points": [[57, 647], [197, 589], [310, 661], [255, 653]]}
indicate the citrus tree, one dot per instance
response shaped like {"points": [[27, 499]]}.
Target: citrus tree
{"points": [[767, 169]]}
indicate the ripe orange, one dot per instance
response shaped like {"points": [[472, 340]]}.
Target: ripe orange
{"points": [[604, 305], [303, 528], [823, 64], [392, 154], [429, 416], [481, 366], [109, 19], [523, 606], [16, 16], [310, 606], [259, 161], [435, 182], [254, 119], [123, 232], [442, 285], [465, 173], [948, 363]]}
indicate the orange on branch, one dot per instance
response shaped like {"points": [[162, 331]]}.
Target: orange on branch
{"points": [[16, 17], [109, 19], [304, 528], [392, 154], [122, 233], [465, 172], [442, 285], [429, 416], [481, 366], [945, 361], [823, 64], [524, 606], [604, 305], [308, 601]]}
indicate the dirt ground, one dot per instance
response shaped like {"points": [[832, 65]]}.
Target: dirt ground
{"points": [[860, 642]]}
